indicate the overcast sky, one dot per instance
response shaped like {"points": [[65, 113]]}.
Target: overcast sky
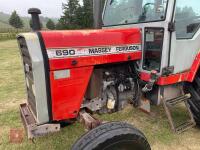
{"points": [[49, 8]]}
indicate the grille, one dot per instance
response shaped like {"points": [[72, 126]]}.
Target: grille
{"points": [[27, 63]]}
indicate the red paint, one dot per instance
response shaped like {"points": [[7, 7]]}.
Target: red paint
{"points": [[67, 94], [171, 79], [90, 38], [194, 68], [187, 76], [59, 64]]}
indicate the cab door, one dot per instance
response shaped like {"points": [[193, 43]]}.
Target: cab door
{"points": [[185, 41], [153, 17]]}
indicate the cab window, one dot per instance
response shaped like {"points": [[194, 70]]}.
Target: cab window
{"points": [[187, 18], [120, 12]]}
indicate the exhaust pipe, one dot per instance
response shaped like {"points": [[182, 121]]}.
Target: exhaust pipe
{"points": [[35, 18]]}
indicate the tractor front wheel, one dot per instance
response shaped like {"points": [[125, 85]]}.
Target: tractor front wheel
{"points": [[113, 136]]}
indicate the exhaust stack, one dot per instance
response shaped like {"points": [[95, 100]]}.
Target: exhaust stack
{"points": [[35, 18]]}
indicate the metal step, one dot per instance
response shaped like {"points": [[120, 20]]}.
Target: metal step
{"points": [[185, 126], [169, 104], [178, 100]]}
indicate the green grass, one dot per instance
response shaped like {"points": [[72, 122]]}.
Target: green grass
{"points": [[7, 36], [12, 93], [11, 77], [5, 25]]}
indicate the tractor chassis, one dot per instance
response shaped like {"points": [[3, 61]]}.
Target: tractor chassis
{"points": [[32, 129], [89, 121]]}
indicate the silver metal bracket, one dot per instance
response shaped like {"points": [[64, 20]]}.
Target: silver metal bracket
{"points": [[90, 122], [33, 130]]}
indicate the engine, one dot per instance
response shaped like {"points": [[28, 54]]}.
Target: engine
{"points": [[111, 88]]}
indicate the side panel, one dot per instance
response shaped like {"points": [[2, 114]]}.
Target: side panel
{"points": [[186, 38], [92, 47], [68, 93], [183, 52], [72, 56]]}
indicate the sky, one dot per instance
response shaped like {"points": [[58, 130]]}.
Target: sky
{"points": [[49, 8]]}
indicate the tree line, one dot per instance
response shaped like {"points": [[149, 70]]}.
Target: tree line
{"points": [[75, 16]]}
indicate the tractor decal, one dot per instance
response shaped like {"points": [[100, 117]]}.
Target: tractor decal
{"points": [[92, 51]]}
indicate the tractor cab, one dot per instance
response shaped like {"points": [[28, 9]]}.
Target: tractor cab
{"points": [[170, 31]]}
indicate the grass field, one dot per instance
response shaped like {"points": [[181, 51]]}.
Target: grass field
{"points": [[12, 94], [3, 25]]}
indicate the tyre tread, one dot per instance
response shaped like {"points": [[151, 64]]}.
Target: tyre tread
{"points": [[105, 128], [194, 102]]}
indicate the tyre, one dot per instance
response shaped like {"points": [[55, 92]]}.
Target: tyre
{"points": [[194, 102], [113, 136]]}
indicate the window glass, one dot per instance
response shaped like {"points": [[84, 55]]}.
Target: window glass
{"points": [[187, 18], [134, 11]]}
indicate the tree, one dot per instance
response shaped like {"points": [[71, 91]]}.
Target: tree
{"points": [[69, 20], [16, 21], [76, 16], [87, 20], [50, 24]]}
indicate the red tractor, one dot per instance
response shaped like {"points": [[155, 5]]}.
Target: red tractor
{"points": [[146, 49]]}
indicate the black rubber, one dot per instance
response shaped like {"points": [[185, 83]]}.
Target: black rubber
{"points": [[113, 136], [194, 102]]}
